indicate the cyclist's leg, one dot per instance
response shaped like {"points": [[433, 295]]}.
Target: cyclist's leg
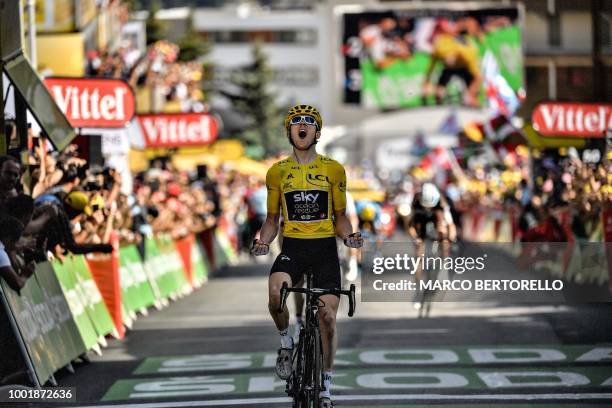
{"points": [[419, 273], [329, 343], [275, 282], [327, 323], [442, 230], [299, 300], [327, 276], [299, 310], [286, 268], [283, 360]]}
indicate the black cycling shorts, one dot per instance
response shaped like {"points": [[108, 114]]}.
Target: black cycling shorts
{"points": [[448, 73], [320, 255]]}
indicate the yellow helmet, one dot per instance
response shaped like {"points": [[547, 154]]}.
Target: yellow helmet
{"points": [[303, 110], [368, 213]]}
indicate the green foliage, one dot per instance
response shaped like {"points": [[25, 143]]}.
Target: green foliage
{"points": [[134, 5], [252, 97], [192, 45], [156, 29]]}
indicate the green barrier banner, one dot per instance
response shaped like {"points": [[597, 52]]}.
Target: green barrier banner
{"points": [[45, 322], [140, 293], [224, 253], [65, 329], [65, 275], [92, 299], [29, 311], [129, 284], [200, 269], [159, 269], [172, 259]]}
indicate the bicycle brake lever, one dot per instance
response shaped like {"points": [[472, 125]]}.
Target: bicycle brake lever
{"points": [[352, 300]]}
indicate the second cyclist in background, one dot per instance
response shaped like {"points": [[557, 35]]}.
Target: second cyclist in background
{"points": [[431, 218]]}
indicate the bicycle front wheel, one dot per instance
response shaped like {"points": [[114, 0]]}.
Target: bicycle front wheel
{"points": [[314, 364]]}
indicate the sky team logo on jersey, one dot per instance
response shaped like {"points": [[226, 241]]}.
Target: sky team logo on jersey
{"points": [[318, 180], [307, 205], [304, 196]]}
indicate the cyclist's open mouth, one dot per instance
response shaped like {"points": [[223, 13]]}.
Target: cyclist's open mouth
{"points": [[302, 134]]}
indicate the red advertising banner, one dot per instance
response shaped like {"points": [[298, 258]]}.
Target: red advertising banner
{"points": [[178, 129], [183, 247], [93, 102], [572, 119], [105, 272], [606, 219]]}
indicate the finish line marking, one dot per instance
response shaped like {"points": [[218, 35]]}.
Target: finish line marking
{"points": [[358, 398]]}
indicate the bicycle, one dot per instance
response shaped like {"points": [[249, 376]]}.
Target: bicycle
{"points": [[304, 384], [424, 298]]}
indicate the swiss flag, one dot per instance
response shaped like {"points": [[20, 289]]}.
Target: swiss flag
{"points": [[436, 159], [496, 130]]}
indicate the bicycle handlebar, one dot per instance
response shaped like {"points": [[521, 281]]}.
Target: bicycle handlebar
{"points": [[285, 290]]}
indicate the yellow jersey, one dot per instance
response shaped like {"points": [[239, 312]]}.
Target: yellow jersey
{"points": [[308, 193]]}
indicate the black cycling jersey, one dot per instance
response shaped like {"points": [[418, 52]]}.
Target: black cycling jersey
{"points": [[421, 216]]}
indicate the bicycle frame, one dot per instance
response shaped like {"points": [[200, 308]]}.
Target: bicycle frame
{"points": [[304, 384], [426, 296]]}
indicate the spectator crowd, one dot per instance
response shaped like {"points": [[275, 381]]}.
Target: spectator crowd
{"points": [[546, 200], [174, 85], [59, 204]]}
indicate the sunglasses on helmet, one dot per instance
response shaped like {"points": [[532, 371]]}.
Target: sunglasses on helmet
{"points": [[307, 119]]}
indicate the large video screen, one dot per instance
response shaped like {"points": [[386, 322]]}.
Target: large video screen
{"points": [[418, 57]]}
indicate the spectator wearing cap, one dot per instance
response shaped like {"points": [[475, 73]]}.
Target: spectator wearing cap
{"points": [[58, 230]]}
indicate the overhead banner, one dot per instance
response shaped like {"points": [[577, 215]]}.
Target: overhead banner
{"points": [[178, 129], [416, 56], [93, 102], [572, 119], [62, 54]]}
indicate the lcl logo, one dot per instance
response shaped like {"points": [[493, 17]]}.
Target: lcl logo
{"points": [[318, 177]]}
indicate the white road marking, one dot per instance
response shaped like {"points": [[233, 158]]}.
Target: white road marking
{"points": [[358, 398], [408, 331]]}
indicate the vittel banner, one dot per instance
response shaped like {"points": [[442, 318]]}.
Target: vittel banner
{"points": [[572, 119], [178, 130], [93, 102]]}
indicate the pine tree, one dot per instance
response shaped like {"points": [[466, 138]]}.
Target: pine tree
{"points": [[156, 29], [251, 96], [192, 45]]}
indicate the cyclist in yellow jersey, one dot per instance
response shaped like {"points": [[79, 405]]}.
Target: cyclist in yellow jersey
{"points": [[310, 190]]}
